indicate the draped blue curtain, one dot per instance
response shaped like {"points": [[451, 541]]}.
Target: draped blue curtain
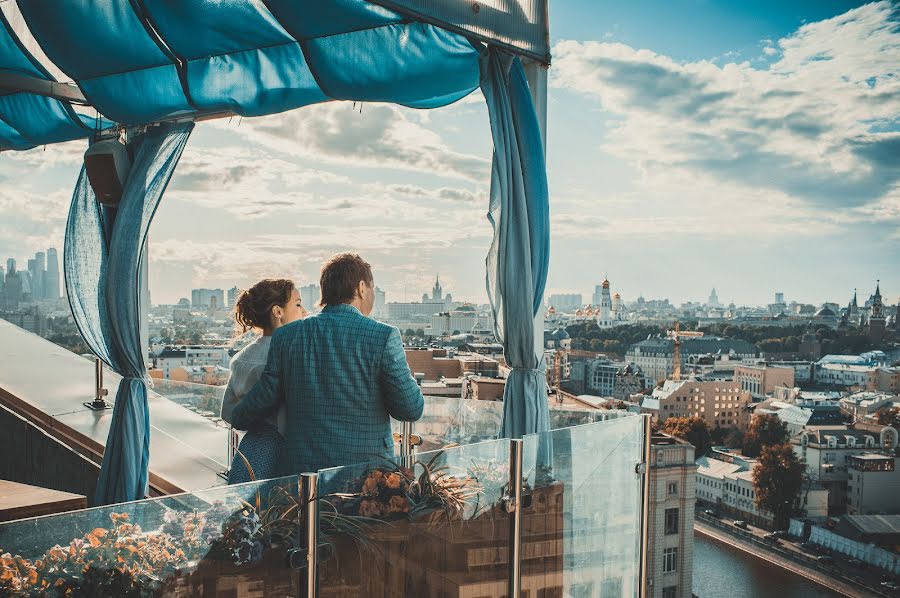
{"points": [[103, 260], [518, 259]]}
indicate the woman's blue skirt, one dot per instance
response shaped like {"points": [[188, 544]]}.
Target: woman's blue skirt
{"points": [[261, 446]]}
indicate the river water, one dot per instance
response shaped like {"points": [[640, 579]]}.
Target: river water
{"points": [[723, 571]]}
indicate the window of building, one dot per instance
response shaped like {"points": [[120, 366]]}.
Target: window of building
{"points": [[670, 592], [672, 488], [670, 560], [671, 521]]}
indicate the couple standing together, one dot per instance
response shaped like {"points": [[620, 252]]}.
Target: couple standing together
{"points": [[319, 391]]}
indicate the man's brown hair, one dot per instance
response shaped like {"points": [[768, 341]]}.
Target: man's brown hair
{"points": [[341, 276]]}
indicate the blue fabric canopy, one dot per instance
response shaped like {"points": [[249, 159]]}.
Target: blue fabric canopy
{"points": [[103, 260], [518, 259], [139, 62], [28, 120]]}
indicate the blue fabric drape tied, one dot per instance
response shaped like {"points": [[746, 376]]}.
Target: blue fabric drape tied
{"points": [[105, 250], [518, 259]]}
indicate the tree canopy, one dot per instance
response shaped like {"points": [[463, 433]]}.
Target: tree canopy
{"points": [[691, 429], [777, 481], [765, 430]]}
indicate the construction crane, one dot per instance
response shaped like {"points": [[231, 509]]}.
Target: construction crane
{"points": [[676, 335]]}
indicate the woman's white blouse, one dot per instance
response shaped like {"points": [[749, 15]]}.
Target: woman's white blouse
{"points": [[246, 369]]}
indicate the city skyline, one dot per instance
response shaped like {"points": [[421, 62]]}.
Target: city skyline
{"points": [[706, 159]]}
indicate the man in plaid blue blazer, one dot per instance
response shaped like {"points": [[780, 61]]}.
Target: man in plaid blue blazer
{"points": [[342, 375]]}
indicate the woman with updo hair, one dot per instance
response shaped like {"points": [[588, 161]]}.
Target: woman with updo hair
{"points": [[268, 305]]}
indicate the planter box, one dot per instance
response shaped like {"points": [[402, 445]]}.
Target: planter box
{"points": [[448, 558]]}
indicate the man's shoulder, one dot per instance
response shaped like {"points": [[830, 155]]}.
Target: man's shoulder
{"points": [[370, 326]]}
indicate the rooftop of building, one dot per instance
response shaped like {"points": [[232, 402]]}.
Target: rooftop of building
{"points": [[875, 524], [873, 457]]}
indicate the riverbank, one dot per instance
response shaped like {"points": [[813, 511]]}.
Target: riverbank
{"points": [[826, 582]]}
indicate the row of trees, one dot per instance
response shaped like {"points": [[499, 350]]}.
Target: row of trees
{"points": [[587, 336], [778, 476], [765, 430]]}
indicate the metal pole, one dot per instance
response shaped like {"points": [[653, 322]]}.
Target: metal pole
{"points": [[643, 470], [99, 391], [309, 496], [99, 403], [514, 507]]}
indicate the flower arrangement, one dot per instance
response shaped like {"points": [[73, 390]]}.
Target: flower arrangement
{"points": [[120, 560], [392, 492]]}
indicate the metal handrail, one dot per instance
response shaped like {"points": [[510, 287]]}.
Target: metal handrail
{"points": [[309, 498], [514, 504]]}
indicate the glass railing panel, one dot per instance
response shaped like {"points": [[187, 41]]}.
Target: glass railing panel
{"points": [[203, 399], [584, 480], [566, 418], [434, 529], [228, 541]]}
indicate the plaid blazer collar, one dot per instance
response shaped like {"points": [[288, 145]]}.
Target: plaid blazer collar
{"points": [[341, 308]]}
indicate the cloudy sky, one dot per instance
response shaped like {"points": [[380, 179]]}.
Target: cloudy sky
{"points": [[751, 147]]}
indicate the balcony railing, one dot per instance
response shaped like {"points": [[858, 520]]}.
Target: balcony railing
{"points": [[559, 512]]}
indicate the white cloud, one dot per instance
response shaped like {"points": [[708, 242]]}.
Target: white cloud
{"points": [[807, 127], [378, 135]]}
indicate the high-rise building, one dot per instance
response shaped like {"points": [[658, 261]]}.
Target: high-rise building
{"points": [[40, 278], [32, 282], [670, 547], [233, 293], [13, 287], [437, 294], [713, 299], [598, 293], [207, 298], [779, 297], [310, 295], [51, 281], [565, 302], [380, 309]]}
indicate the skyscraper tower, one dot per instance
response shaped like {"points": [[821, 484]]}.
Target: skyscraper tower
{"points": [[713, 299], [39, 280], [13, 288], [51, 281], [437, 293]]}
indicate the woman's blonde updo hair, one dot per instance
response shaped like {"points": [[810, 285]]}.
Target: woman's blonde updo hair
{"points": [[253, 309]]}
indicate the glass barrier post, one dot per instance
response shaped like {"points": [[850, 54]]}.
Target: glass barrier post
{"points": [[643, 470], [99, 403], [513, 501], [408, 443], [309, 496]]}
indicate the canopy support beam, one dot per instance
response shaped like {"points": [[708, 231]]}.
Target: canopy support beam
{"points": [[16, 82]]}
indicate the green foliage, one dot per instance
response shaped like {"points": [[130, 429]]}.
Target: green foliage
{"points": [[587, 336], [691, 429], [729, 437], [765, 430], [777, 481], [786, 339]]}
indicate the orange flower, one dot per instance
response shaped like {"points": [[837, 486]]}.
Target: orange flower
{"points": [[378, 474], [393, 480], [399, 504], [370, 486], [369, 508]]}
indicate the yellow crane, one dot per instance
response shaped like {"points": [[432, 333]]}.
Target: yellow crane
{"points": [[676, 335]]}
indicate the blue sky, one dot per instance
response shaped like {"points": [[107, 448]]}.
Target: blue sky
{"points": [[750, 146]]}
